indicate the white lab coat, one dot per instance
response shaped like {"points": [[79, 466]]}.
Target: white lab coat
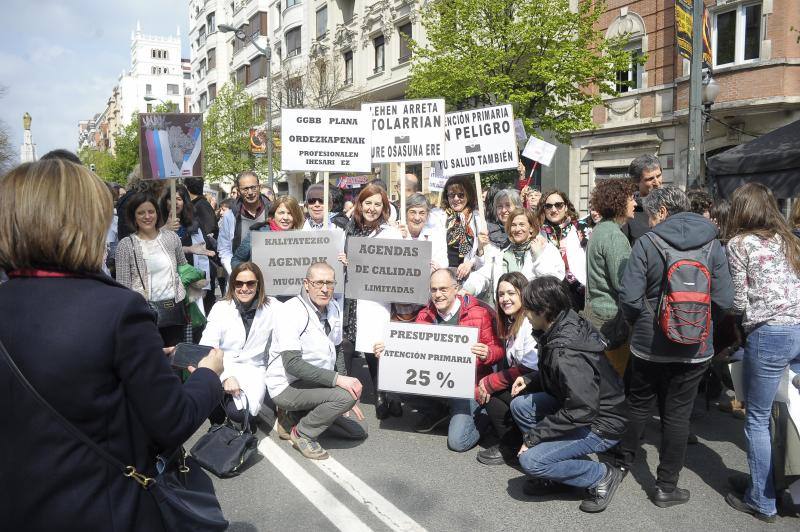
{"points": [[436, 235], [244, 358], [299, 329], [576, 256], [490, 267]]}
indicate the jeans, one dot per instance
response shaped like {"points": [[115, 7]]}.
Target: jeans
{"points": [[465, 428], [673, 386], [767, 352], [559, 460]]}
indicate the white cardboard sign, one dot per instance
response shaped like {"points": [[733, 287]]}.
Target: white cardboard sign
{"points": [[436, 179], [427, 359], [406, 131], [325, 140], [540, 151], [480, 140]]}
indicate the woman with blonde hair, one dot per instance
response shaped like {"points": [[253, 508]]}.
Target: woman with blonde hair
{"points": [[91, 349], [285, 214]]}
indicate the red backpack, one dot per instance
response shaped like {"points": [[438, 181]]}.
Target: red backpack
{"points": [[684, 309]]}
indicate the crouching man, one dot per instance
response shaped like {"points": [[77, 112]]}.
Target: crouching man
{"points": [[573, 406], [306, 377]]}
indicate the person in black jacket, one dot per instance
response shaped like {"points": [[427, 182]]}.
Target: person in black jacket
{"points": [[645, 172], [573, 406], [91, 348]]}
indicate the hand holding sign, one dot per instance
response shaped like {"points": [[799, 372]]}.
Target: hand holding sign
{"points": [[540, 151]]}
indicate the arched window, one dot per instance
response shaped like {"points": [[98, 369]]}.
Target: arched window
{"points": [[630, 25]]}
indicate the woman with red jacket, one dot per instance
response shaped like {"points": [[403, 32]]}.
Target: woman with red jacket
{"points": [[494, 390]]}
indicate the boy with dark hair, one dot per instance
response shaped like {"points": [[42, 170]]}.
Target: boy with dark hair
{"points": [[573, 406]]}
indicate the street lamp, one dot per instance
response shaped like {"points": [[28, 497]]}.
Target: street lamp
{"points": [[267, 53], [710, 93], [169, 105]]}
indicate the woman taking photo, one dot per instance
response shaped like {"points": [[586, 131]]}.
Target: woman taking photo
{"points": [[284, 214], [607, 255], [241, 325], [764, 259], [370, 219], [494, 390], [505, 202], [147, 262], [528, 253], [460, 205], [93, 352], [561, 227]]}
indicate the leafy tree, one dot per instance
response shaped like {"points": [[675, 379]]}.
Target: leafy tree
{"points": [[550, 63], [7, 158], [103, 162], [126, 151], [227, 130]]}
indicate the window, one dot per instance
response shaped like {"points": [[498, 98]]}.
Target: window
{"points": [[239, 44], [158, 54], [187, 75], [277, 15], [212, 58], [148, 89], [203, 102], [211, 22], [348, 8], [380, 57], [258, 24], [258, 68], [212, 92], [293, 42], [149, 107], [201, 36], [737, 35], [241, 75], [348, 67], [404, 32], [290, 3], [172, 89], [201, 72], [631, 78], [322, 22], [294, 92]]}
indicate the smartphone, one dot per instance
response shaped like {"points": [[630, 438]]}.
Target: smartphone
{"points": [[189, 354]]}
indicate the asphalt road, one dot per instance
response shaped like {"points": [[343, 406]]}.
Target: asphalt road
{"points": [[400, 480]]}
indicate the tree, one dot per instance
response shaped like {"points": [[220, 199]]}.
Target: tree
{"points": [[103, 162], [227, 130], [126, 151], [550, 63], [7, 158]]}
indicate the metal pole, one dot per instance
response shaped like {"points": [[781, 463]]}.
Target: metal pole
{"points": [[267, 53], [695, 95]]}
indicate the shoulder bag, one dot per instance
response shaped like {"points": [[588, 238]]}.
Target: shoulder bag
{"points": [[183, 492], [225, 448]]}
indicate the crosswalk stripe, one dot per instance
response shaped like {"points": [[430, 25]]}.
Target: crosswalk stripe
{"points": [[331, 508]]}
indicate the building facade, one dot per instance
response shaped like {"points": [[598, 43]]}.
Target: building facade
{"points": [[756, 62]]}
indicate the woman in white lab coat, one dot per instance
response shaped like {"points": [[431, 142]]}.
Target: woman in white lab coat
{"points": [[241, 325], [419, 226]]}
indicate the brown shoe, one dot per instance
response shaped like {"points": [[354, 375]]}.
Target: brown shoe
{"points": [[308, 448], [283, 425]]}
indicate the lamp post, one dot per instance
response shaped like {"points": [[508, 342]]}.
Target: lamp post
{"points": [[267, 53], [710, 93], [165, 104]]}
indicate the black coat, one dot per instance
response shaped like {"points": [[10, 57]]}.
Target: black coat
{"points": [[573, 368], [204, 214], [92, 349], [639, 224]]}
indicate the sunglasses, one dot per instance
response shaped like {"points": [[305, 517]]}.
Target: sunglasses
{"points": [[453, 195], [248, 284], [557, 205], [312, 201]]}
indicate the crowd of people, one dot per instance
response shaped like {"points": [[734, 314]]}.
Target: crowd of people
{"points": [[584, 324]]}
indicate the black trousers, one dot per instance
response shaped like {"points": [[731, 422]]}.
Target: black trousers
{"points": [[499, 411], [673, 387]]}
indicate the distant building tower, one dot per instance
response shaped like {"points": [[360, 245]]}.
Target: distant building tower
{"points": [[27, 152]]}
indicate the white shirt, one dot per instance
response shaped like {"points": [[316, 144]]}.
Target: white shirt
{"points": [[522, 350], [452, 312], [159, 270]]}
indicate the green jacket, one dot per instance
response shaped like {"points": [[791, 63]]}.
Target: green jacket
{"points": [[606, 256]]}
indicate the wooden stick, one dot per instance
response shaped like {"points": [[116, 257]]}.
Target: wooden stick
{"points": [[325, 200], [172, 194], [481, 206], [402, 188]]}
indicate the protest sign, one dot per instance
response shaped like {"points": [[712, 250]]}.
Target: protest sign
{"points": [[171, 145], [540, 151], [428, 359], [284, 257], [436, 179], [372, 322], [258, 141], [406, 131], [388, 270], [324, 140], [519, 131], [479, 140]]}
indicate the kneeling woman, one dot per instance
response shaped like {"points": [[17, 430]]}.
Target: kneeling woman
{"points": [[241, 326], [573, 406]]}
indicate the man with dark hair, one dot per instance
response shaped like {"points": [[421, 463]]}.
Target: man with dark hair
{"points": [[645, 172], [62, 154], [202, 208], [574, 405], [700, 202], [250, 207]]}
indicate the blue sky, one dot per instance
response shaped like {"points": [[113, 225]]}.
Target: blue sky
{"points": [[60, 59]]}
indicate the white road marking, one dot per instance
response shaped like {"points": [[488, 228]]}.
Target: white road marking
{"points": [[387, 512], [331, 508]]}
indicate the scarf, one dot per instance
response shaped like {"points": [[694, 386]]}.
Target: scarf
{"points": [[273, 226], [557, 233], [459, 231], [514, 256], [248, 313]]}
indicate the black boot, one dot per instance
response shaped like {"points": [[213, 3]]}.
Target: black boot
{"points": [[381, 406], [665, 499]]}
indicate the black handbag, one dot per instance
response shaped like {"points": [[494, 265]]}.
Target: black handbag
{"points": [[183, 492], [225, 448]]}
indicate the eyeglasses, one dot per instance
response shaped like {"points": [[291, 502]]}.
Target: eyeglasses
{"points": [[442, 289], [557, 205], [248, 284], [312, 201], [320, 284], [454, 195], [251, 188]]}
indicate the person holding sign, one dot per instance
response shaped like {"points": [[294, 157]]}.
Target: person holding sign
{"points": [[241, 325], [460, 204], [306, 375], [417, 228], [285, 214], [370, 219], [528, 252], [573, 406], [494, 391]]}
